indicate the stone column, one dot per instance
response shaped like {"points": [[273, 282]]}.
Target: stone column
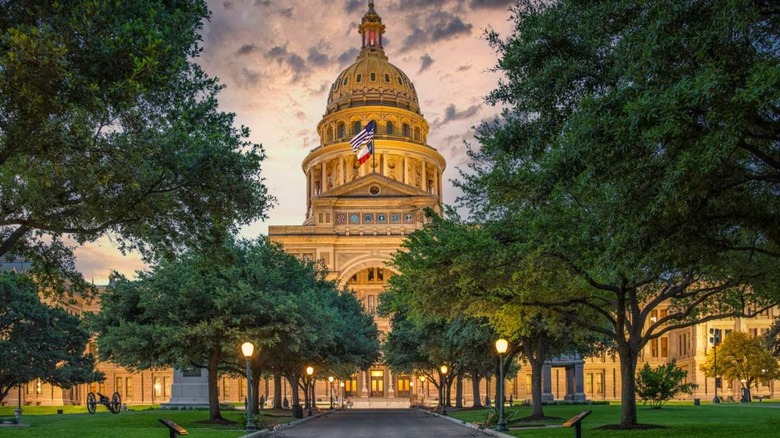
{"points": [[405, 172], [365, 388], [343, 176], [324, 176], [547, 394], [578, 376], [424, 176], [390, 390]]}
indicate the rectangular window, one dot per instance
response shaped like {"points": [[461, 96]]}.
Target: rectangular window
{"points": [[371, 274], [380, 274], [664, 347], [118, 384], [599, 383], [157, 386], [371, 304], [225, 388], [166, 386], [589, 383], [753, 332], [654, 347], [129, 387], [663, 313]]}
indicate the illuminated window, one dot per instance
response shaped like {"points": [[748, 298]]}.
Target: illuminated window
{"points": [[157, 386]]}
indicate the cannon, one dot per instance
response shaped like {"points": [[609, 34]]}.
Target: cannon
{"points": [[114, 404]]}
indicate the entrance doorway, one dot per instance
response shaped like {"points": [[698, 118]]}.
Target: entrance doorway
{"points": [[377, 383]]}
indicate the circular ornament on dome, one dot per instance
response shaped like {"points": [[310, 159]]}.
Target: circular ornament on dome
{"points": [[374, 190]]}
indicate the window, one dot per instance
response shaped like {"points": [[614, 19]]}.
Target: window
{"points": [[370, 274], [157, 386], [390, 128], [407, 132], [118, 386], [355, 127], [371, 304], [358, 78], [664, 347], [342, 132], [417, 134], [654, 347], [225, 388], [400, 82], [166, 386], [753, 333], [373, 77], [380, 274], [346, 81], [129, 387], [387, 78], [329, 136], [350, 385]]}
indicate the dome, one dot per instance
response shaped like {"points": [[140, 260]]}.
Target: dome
{"points": [[372, 80]]}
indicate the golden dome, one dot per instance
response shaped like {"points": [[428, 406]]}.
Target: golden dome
{"points": [[372, 80]]}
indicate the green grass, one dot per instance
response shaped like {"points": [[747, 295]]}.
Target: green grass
{"points": [[137, 422], [681, 420]]}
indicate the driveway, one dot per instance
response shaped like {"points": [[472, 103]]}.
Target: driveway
{"points": [[379, 423]]}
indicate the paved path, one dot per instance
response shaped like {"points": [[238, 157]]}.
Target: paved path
{"points": [[380, 423]]}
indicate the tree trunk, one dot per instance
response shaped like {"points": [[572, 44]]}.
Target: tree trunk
{"points": [[459, 391], [213, 368], [294, 392], [475, 379], [256, 390], [628, 359], [277, 391], [448, 389], [537, 410]]}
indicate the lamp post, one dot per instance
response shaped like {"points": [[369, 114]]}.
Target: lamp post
{"points": [[330, 380], [247, 348], [443, 389], [310, 372], [715, 340], [501, 347], [343, 394], [422, 390]]}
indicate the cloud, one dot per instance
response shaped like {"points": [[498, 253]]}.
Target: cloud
{"points": [[297, 64], [348, 57], [426, 62], [463, 68], [451, 113], [316, 57], [490, 4], [265, 3], [246, 49], [277, 52], [354, 5], [227, 5], [288, 12], [439, 26]]}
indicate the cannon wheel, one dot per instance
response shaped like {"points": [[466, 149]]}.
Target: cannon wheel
{"points": [[91, 402], [115, 404]]}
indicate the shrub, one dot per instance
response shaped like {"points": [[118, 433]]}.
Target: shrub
{"points": [[656, 386]]}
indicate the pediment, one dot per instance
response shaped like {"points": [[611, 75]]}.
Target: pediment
{"points": [[367, 185]]}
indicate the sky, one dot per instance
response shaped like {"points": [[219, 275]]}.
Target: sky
{"points": [[278, 59]]}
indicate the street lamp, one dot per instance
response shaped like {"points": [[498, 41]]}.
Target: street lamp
{"points": [[715, 340], [501, 347], [247, 348], [443, 389], [330, 380], [309, 372], [343, 394]]}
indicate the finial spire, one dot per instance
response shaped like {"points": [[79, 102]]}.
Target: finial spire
{"points": [[371, 29]]}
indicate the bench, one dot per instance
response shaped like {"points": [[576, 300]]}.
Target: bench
{"points": [[576, 423], [174, 428]]}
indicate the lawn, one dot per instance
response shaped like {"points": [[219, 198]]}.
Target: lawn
{"points": [[137, 422], [681, 420]]}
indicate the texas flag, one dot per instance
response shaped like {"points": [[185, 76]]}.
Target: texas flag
{"points": [[363, 143]]}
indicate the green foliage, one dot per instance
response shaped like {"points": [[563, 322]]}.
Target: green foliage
{"points": [[38, 341], [742, 358], [658, 385], [638, 156], [108, 126]]}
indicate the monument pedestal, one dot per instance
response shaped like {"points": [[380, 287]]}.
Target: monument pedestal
{"points": [[189, 389]]}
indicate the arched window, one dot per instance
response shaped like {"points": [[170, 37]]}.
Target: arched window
{"points": [[390, 128], [417, 134], [406, 130], [387, 77], [346, 80], [358, 78], [373, 77], [355, 127], [342, 131], [400, 82]]}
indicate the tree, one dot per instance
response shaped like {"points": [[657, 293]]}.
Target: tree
{"points": [[107, 126], [660, 384], [742, 358], [637, 154], [38, 341], [197, 310]]}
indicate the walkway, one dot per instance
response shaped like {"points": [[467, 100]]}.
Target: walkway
{"points": [[384, 423]]}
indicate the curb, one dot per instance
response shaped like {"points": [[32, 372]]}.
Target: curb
{"points": [[264, 433], [466, 425]]}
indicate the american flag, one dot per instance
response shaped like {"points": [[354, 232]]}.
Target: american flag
{"points": [[364, 136]]}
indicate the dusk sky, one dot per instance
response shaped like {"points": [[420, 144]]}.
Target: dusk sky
{"points": [[278, 58]]}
